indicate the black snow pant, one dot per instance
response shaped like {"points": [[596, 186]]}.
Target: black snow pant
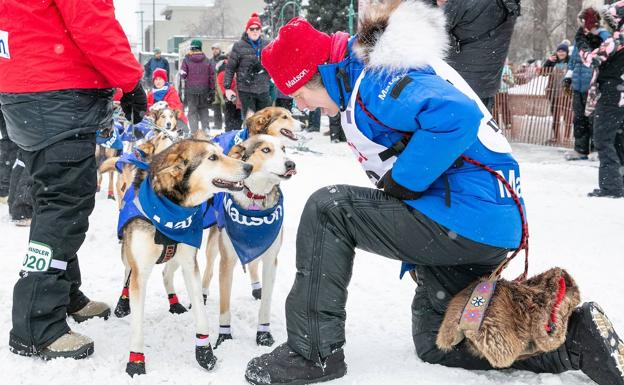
{"points": [[338, 219], [232, 115], [198, 111], [582, 124], [20, 198], [8, 153], [64, 184], [251, 102], [335, 129], [608, 139], [217, 115]]}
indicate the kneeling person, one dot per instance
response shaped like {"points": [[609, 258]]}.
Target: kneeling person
{"points": [[409, 117]]}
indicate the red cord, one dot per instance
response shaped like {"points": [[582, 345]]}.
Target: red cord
{"points": [[561, 292]]}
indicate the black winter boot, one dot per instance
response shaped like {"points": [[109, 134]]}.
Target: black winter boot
{"points": [[287, 367], [596, 345]]}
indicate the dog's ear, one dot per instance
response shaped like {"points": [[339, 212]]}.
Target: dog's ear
{"points": [[258, 122], [174, 165], [200, 135], [237, 152], [148, 148], [177, 114]]}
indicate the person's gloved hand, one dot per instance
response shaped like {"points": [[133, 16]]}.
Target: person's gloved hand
{"points": [[134, 103], [391, 187]]}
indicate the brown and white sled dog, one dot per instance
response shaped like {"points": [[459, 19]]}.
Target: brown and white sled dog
{"points": [[165, 120], [261, 193], [188, 173], [274, 121]]}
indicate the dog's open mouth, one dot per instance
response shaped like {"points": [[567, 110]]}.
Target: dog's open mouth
{"points": [[226, 184], [287, 133], [288, 174]]}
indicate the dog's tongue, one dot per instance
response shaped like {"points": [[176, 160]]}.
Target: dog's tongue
{"points": [[290, 172]]}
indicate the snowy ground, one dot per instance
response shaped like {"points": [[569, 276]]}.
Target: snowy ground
{"points": [[583, 235]]}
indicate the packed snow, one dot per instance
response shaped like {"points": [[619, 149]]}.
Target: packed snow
{"points": [[583, 235]]}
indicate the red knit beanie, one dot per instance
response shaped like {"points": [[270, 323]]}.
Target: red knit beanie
{"points": [[292, 58], [590, 18], [159, 73], [253, 20]]}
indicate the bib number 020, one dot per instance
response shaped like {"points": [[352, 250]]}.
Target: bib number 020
{"points": [[38, 257]]}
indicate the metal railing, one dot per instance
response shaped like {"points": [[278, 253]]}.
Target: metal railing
{"points": [[537, 109]]}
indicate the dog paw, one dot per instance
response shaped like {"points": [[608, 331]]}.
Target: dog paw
{"points": [[205, 357], [221, 338], [123, 307], [264, 339], [135, 368], [257, 293], [177, 308]]}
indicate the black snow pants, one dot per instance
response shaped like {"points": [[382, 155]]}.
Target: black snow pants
{"points": [[8, 153], [609, 141], [56, 132], [583, 126], [20, 198], [338, 219]]}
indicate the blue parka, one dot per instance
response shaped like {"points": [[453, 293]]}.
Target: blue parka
{"points": [[443, 123]]}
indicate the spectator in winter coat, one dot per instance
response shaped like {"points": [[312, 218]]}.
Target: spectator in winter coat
{"points": [[199, 88], [165, 91], [244, 61], [588, 38], [52, 112], [232, 106], [401, 102], [609, 114], [555, 67], [157, 61], [480, 32]]}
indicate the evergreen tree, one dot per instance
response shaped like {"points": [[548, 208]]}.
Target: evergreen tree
{"points": [[331, 15], [271, 16]]}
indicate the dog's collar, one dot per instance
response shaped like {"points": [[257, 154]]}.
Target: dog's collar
{"points": [[251, 195]]}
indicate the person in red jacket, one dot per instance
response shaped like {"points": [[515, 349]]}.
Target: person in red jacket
{"points": [[165, 91], [76, 53]]}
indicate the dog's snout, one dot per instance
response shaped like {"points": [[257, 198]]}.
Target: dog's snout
{"points": [[290, 165], [247, 168]]}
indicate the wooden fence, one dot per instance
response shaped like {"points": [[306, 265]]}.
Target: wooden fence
{"points": [[537, 109]]}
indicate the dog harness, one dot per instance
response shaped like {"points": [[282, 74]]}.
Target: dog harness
{"points": [[174, 224], [252, 232]]}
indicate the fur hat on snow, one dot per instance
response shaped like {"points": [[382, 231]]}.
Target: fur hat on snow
{"points": [[542, 305]]}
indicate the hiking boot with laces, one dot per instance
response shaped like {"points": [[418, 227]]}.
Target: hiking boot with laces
{"points": [[284, 366], [91, 310], [70, 345], [596, 345]]}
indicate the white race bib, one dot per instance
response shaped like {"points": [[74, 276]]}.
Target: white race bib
{"points": [[38, 257]]}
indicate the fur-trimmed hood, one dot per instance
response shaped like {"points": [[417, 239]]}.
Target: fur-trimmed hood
{"points": [[401, 35]]}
